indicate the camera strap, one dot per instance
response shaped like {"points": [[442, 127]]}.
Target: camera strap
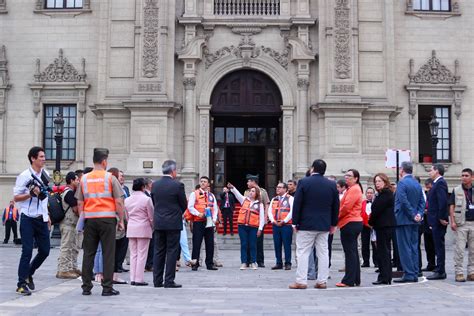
{"points": [[42, 182]]}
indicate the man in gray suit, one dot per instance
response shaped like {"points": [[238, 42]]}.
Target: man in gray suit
{"points": [[169, 200]]}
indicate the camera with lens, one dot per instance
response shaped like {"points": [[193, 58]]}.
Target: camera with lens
{"points": [[36, 183]]}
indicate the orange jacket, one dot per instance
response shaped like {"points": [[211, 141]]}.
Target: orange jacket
{"points": [[249, 215], [98, 195], [350, 206], [14, 214], [202, 202], [280, 210]]}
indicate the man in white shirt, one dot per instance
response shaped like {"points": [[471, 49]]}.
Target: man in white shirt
{"points": [[32, 202], [202, 205], [279, 214]]}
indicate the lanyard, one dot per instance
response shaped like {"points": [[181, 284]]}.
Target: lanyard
{"points": [[468, 198]]}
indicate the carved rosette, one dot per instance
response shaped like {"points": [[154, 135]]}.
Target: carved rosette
{"points": [[189, 83], [60, 70], [342, 39], [246, 44], [433, 72], [150, 39]]}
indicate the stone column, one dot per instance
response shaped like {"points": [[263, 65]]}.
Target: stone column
{"points": [[204, 118], [288, 116], [189, 130], [302, 161]]}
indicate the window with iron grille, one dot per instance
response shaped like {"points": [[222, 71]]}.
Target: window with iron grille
{"points": [[69, 134], [64, 4], [432, 5]]}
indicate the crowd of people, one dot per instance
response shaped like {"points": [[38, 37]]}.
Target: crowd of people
{"points": [[147, 225]]}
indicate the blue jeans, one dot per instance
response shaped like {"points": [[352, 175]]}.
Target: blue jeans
{"points": [[313, 265], [282, 236], [248, 239], [32, 229], [99, 260], [407, 241], [183, 242]]}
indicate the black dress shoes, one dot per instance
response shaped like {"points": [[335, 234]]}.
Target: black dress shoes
{"points": [[86, 292], [287, 266], [261, 265], [277, 267], [381, 283], [173, 286], [158, 285], [437, 276], [140, 283], [119, 282], [111, 292], [212, 267], [402, 280], [428, 269]]}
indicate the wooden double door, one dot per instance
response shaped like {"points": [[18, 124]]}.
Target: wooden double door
{"points": [[246, 131]]}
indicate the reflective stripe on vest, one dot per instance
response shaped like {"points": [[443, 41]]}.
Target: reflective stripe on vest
{"points": [[98, 195], [281, 209], [201, 203], [249, 215]]}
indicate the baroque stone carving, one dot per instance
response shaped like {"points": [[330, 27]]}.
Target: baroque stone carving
{"points": [[189, 83], [4, 79], [60, 70], [433, 72], [150, 39], [342, 88], [149, 87], [303, 83], [247, 43], [204, 144], [342, 39]]}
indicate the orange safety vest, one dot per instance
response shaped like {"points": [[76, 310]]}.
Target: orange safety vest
{"points": [[98, 195], [280, 209], [249, 215], [6, 213], [201, 203]]}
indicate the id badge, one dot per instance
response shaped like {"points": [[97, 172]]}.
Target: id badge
{"points": [[471, 206]]}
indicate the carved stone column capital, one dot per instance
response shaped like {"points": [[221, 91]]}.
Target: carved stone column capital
{"points": [[303, 83], [189, 83]]}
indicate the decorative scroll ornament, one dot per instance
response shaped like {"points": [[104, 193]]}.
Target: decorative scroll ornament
{"points": [[303, 83], [247, 43], [342, 38], [61, 70], [150, 39], [433, 72]]}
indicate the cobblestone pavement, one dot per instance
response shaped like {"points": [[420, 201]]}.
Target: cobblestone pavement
{"points": [[231, 291]]}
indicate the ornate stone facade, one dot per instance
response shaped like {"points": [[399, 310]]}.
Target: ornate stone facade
{"points": [[348, 88]]}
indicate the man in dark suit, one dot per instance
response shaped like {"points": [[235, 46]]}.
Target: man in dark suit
{"points": [[227, 204], [438, 216], [409, 208], [315, 215], [170, 203]]}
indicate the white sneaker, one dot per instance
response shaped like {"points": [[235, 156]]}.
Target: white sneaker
{"points": [[253, 266], [243, 266]]}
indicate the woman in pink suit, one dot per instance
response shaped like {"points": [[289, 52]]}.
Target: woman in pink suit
{"points": [[139, 230]]}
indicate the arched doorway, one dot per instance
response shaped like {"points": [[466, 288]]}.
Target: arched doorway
{"points": [[245, 130]]}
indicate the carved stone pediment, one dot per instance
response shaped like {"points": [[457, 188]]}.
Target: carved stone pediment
{"points": [[60, 70], [247, 50], [433, 72]]}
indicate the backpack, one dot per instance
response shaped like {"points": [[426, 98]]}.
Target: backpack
{"points": [[55, 208]]}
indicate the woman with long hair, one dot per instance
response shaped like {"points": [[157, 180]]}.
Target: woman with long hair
{"points": [[251, 220], [382, 219], [350, 224]]}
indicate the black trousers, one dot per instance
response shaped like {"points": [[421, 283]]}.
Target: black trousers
{"points": [[383, 253], [121, 246], [439, 231], [396, 257], [149, 258], [330, 239], [429, 247], [349, 234], [366, 244], [200, 232], [10, 225], [95, 230], [228, 218], [166, 253]]}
